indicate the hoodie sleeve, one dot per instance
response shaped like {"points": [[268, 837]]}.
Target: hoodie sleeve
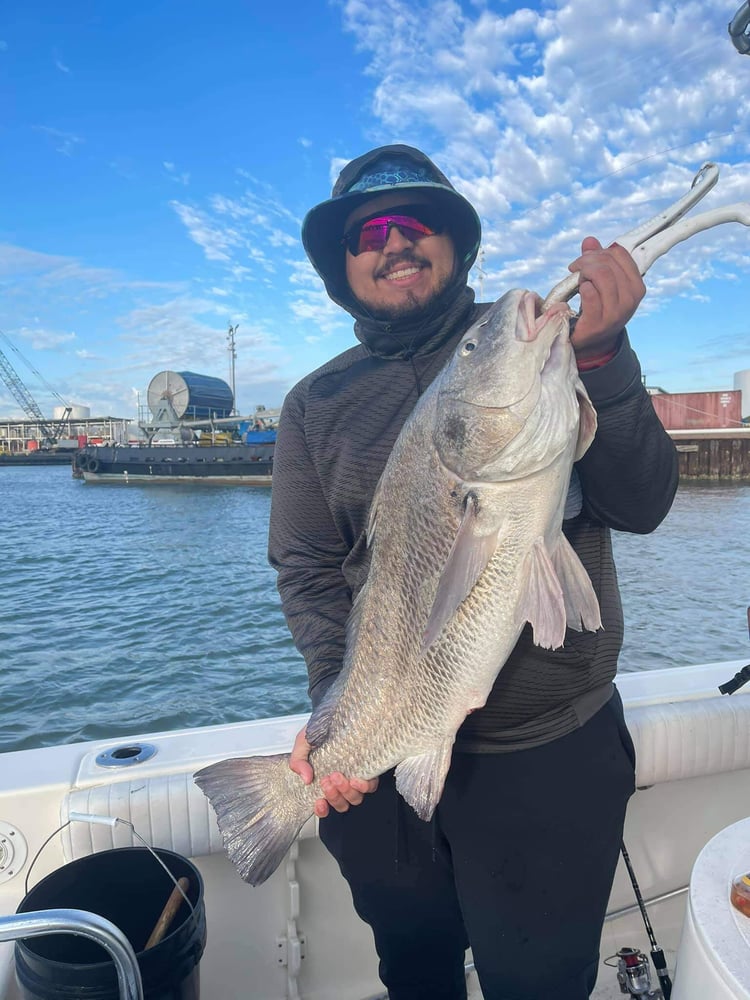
{"points": [[629, 474], [307, 552]]}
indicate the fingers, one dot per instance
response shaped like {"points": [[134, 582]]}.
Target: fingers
{"points": [[611, 289], [298, 761], [340, 792]]}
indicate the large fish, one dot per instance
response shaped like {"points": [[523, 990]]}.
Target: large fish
{"points": [[467, 547]]}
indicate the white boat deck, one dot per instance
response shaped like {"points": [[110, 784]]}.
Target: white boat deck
{"points": [[694, 781]]}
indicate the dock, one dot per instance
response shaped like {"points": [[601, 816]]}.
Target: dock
{"points": [[713, 455]]}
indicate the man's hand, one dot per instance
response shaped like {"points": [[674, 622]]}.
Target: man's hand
{"points": [[340, 792], [611, 289]]}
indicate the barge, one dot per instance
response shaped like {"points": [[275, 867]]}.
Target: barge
{"points": [[191, 435], [247, 463]]}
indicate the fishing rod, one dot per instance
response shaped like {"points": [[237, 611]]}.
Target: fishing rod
{"points": [[633, 972], [633, 965]]}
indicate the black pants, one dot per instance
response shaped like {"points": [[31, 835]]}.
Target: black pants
{"points": [[518, 863]]}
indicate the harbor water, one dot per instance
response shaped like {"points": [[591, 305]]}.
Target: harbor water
{"points": [[131, 610]]}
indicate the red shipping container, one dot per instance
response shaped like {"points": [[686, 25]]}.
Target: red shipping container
{"points": [[699, 410]]}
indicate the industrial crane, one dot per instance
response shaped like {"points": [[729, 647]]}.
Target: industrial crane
{"points": [[50, 428]]}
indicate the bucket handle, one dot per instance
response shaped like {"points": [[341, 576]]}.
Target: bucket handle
{"points": [[76, 817]]}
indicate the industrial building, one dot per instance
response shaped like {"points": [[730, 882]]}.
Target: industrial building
{"points": [[73, 427]]}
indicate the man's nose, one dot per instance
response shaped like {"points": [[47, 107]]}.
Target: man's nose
{"points": [[396, 241]]}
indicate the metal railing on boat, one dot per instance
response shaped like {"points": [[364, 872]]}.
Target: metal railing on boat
{"points": [[89, 925]]}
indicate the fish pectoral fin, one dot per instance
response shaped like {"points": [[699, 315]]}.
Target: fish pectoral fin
{"points": [[581, 603], [467, 560], [541, 601], [420, 779]]}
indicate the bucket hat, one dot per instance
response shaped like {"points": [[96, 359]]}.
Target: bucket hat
{"points": [[387, 168]]}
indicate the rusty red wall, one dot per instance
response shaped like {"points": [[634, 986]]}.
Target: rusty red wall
{"points": [[698, 410]]}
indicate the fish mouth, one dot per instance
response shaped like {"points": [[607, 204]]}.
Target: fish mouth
{"points": [[531, 319]]}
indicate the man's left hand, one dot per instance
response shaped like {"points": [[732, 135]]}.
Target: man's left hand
{"points": [[611, 289]]}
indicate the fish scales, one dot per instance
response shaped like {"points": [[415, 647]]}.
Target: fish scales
{"points": [[467, 547]]}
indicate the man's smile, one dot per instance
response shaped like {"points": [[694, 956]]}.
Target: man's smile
{"points": [[403, 272]]}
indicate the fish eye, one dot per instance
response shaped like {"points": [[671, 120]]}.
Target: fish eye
{"points": [[468, 347]]}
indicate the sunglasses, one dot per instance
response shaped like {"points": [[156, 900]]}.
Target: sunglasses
{"points": [[371, 233]]}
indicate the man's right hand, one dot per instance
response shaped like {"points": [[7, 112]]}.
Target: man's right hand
{"points": [[340, 792]]}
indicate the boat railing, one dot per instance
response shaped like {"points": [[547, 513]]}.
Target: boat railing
{"points": [[39, 923]]}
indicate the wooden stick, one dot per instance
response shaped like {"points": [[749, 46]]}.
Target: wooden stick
{"points": [[168, 913]]}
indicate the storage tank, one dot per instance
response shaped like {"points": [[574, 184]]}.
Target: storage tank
{"points": [[742, 382], [192, 396], [76, 412]]}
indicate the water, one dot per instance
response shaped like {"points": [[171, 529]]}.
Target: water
{"points": [[141, 609]]}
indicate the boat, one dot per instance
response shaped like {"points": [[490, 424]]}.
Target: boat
{"points": [[245, 463], [41, 456], [297, 936], [190, 434]]}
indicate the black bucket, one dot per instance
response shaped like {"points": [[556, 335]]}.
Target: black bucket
{"points": [[129, 887]]}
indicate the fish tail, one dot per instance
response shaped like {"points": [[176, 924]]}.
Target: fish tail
{"points": [[259, 810]]}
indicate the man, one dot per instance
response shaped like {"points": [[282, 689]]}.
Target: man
{"points": [[519, 858]]}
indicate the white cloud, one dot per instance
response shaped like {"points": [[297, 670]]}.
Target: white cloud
{"points": [[64, 142], [564, 123]]}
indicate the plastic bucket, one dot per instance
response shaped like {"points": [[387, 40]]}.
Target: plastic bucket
{"points": [[129, 887]]}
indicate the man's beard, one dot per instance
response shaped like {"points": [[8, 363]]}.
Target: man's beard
{"points": [[411, 307]]}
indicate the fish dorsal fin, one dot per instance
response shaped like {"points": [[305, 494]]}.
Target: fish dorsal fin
{"points": [[541, 601], [467, 560], [420, 779], [581, 603]]}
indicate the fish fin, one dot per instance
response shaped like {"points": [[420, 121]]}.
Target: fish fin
{"points": [[574, 497], [581, 603], [420, 779], [467, 560], [257, 813], [586, 422], [319, 723], [541, 602]]}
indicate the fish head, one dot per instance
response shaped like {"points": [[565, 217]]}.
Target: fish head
{"points": [[510, 399]]}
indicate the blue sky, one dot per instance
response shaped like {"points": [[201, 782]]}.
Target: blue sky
{"points": [[157, 160]]}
